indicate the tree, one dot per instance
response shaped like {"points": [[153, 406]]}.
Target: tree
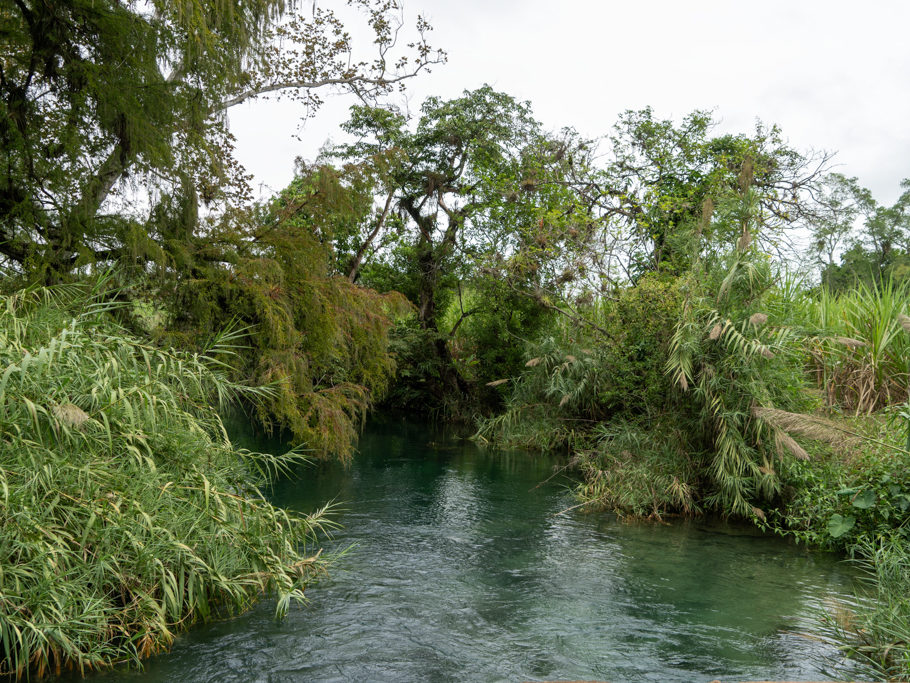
{"points": [[319, 341], [101, 97], [646, 206], [844, 200], [469, 190], [660, 181], [879, 249]]}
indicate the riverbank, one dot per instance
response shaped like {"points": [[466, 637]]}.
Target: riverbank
{"points": [[125, 513]]}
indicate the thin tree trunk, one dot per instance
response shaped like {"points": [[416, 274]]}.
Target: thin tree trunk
{"points": [[358, 259]]}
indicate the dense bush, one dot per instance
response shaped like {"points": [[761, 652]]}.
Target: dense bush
{"points": [[575, 377], [321, 341], [125, 512], [643, 467], [858, 490]]}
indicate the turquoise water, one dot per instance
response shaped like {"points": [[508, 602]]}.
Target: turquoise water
{"points": [[465, 565]]}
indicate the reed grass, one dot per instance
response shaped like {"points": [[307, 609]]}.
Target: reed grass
{"points": [[862, 356], [878, 630], [125, 511], [642, 468]]}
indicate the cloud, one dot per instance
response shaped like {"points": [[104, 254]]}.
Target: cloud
{"points": [[831, 74]]}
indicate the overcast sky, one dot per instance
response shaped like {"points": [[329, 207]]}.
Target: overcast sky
{"points": [[833, 75]]}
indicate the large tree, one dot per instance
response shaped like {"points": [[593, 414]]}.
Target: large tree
{"points": [[471, 186], [103, 102], [658, 183]]}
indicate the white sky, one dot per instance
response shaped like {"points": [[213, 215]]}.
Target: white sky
{"points": [[833, 75]]}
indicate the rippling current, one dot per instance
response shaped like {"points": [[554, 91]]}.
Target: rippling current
{"points": [[465, 565]]}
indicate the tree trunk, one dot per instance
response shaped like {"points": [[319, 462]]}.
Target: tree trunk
{"points": [[450, 384]]}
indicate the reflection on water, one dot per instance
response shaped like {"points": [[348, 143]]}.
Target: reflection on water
{"points": [[461, 568]]}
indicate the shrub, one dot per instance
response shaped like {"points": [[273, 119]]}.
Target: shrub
{"points": [[575, 377], [738, 361], [642, 468], [125, 512]]}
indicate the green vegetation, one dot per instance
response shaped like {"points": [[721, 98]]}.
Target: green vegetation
{"points": [[472, 181], [125, 512], [321, 341], [633, 306], [735, 388], [863, 359], [99, 97]]}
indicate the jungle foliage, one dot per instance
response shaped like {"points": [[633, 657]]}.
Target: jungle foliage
{"points": [[475, 178], [320, 341], [628, 301], [757, 395], [108, 106], [125, 512], [116, 153]]}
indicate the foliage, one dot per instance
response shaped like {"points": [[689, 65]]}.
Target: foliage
{"points": [[532, 419], [877, 252], [659, 204], [469, 186], [659, 181], [416, 365], [125, 512], [862, 356], [737, 357], [107, 106], [320, 340], [640, 322], [643, 467], [709, 357], [860, 489], [573, 380], [489, 326]]}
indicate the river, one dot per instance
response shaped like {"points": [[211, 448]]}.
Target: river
{"points": [[465, 565]]}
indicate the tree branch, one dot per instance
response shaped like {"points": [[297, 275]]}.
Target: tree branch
{"points": [[355, 266], [351, 82]]}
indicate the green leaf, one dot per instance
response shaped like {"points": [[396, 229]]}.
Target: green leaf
{"points": [[864, 500], [838, 526]]}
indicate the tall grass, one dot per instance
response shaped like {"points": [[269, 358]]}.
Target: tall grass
{"points": [[862, 359], [547, 408], [125, 512], [878, 632], [642, 467]]}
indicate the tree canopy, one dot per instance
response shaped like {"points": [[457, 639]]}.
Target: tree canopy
{"points": [[468, 185], [107, 106], [872, 241]]}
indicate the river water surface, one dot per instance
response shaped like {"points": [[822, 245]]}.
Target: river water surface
{"points": [[462, 566]]}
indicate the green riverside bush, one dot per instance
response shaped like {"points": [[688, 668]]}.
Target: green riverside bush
{"points": [[125, 512]]}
